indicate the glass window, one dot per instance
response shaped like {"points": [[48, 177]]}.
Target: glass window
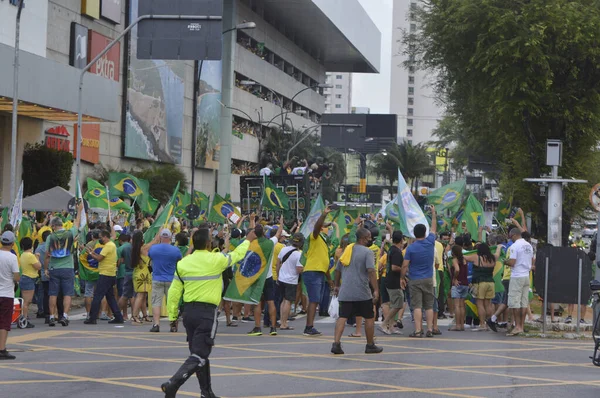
{"points": [[339, 77], [411, 80], [409, 133], [411, 91], [411, 101], [410, 111], [409, 122], [338, 106], [338, 86], [338, 96], [410, 142]]}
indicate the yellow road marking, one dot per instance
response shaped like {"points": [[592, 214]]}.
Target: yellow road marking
{"points": [[34, 336]]}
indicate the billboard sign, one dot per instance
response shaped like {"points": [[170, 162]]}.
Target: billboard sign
{"points": [[90, 8], [90, 143], [208, 115], [154, 105], [111, 10], [183, 39], [78, 54], [108, 65]]}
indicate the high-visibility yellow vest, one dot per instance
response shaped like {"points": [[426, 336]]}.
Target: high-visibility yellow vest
{"points": [[199, 278]]}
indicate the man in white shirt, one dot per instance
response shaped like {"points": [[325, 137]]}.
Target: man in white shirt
{"points": [[9, 274], [521, 263], [289, 269], [266, 171]]}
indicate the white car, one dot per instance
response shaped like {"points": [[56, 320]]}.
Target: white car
{"points": [[589, 229]]}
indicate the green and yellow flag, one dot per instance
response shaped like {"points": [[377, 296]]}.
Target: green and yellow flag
{"points": [[221, 210], [473, 215], [315, 213], [163, 219], [182, 200], [4, 218], [249, 275], [273, 198], [88, 266], [202, 201], [148, 204], [97, 198], [448, 197], [126, 185]]}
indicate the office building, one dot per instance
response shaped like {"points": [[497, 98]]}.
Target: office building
{"points": [[338, 98], [412, 97], [278, 66]]}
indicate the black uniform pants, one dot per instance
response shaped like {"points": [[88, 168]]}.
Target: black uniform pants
{"points": [[200, 320]]}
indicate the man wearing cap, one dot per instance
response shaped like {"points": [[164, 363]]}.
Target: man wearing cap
{"points": [[289, 269], [164, 258], [279, 245], [9, 274], [58, 266]]}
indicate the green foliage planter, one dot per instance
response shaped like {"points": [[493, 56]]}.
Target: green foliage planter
{"points": [[45, 168]]}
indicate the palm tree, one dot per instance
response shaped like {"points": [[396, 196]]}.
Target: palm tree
{"points": [[413, 161]]}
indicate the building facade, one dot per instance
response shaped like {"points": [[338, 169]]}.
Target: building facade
{"points": [[338, 98], [412, 97], [137, 112]]}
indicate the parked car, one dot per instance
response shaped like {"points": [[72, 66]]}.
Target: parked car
{"points": [[589, 229]]}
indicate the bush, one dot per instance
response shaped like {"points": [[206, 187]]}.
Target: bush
{"points": [[45, 168]]}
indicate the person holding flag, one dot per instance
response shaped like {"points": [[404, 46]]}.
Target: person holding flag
{"points": [[417, 264], [198, 278], [58, 265], [316, 270]]}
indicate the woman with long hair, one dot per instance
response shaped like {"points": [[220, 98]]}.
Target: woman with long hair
{"points": [[460, 287], [483, 281], [142, 281]]}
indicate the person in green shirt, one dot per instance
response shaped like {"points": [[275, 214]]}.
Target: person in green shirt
{"points": [[124, 274], [182, 241], [58, 266]]}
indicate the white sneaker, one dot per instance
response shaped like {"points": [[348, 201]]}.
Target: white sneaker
{"points": [[384, 330]]}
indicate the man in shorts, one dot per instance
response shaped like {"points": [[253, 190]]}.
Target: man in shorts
{"points": [[9, 275], [316, 271], [164, 258], [392, 280], [521, 263], [58, 266], [417, 263], [354, 294], [289, 269]]}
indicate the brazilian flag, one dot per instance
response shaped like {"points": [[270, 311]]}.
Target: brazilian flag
{"points": [[503, 211], [96, 194], [148, 204], [163, 218], [249, 275], [117, 203], [126, 185], [273, 198], [473, 215], [221, 210], [88, 266], [202, 201], [448, 197], [181, 201]]}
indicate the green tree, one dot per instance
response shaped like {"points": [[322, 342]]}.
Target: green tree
{"points": [[413, 161], [45, 168], [515, 73]]}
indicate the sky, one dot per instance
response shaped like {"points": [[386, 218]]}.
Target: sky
{"points": [[373, 90]]}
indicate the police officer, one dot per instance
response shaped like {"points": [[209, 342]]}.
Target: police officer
{"points": [[198, 278]]}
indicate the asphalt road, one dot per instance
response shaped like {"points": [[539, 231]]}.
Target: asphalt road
{"points": [[106, 361]]}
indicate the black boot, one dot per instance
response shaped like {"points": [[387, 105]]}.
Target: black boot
{"points": [[203, 375], [189, 367]]}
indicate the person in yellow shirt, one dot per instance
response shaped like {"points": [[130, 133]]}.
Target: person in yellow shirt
{"points": [[30, 267], [316, 271], [107, 278]]}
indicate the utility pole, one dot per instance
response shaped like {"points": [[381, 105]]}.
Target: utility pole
{"points": [[555, 191], [15, 109]]}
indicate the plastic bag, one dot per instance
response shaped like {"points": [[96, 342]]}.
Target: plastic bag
{"points": [[334, 308]]}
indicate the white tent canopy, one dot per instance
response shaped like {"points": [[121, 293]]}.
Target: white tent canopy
{"points": [[54, 199]]}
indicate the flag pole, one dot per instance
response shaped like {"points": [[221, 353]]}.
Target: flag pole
{"points": [[108, 199]]}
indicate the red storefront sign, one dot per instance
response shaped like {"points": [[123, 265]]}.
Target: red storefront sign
{"points": [[58, 138], [108, 65]]}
